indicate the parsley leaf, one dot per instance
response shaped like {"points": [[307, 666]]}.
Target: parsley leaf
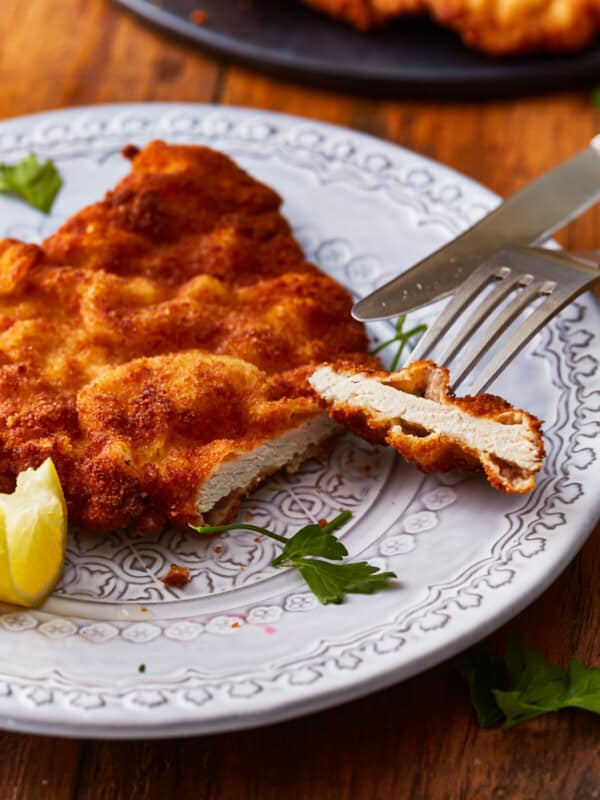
{"points": [[524, 685], [35, 183], [596, 97], [402, 337], [314, 540], [536, 687], [331, 582], [584, 686], [306, 551], [481, 675]]}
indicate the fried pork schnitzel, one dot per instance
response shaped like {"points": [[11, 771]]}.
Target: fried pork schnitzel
{"points": [[165, 348], [368, 14], [497, 27], [157, 346], [413, 411]]}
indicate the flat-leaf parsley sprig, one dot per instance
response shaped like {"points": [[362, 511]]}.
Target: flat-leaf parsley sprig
{"points": [[314, 551], [402, 337], [523, 685], [35, 183]]}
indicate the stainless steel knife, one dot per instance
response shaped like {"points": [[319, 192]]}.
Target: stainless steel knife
{"points": [[528, 217]]}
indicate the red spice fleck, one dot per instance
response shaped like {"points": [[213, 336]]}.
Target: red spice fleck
{"points": [[257, 539], [198, 17], [247, 517], [217, 548], [322, 523], [235, 624], [144, 610], [177, 576], [269, 629]]}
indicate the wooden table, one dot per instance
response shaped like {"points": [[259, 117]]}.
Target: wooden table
{"points": [[418, 739]]}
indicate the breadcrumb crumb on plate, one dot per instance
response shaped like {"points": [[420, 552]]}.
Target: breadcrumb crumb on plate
{"points": [[177, 576]]}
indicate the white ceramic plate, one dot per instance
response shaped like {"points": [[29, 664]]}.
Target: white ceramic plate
{"points": [[244, 644]]}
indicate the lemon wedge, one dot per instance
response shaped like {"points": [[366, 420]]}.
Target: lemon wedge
{"points": [[33, 536]]}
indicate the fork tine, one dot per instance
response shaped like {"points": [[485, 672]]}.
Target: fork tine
{"points": [[523, 334], [502, 290], [453, 310], [558, 275], [499, 325]]}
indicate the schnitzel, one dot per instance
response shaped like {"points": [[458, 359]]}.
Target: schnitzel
{"points": [[165, 348], [368, 14], [502, 27], [157, 346], [413, 411], [497, 27]]}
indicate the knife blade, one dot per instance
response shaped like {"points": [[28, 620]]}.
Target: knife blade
{"points": [[528, 217]]}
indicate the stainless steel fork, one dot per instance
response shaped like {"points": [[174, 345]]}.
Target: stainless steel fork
{"points": [[488, 304]]}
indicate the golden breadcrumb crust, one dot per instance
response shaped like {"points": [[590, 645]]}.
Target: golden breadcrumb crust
{"points": [[497, 27], [368, 14], [430, 451], [158, 331]]}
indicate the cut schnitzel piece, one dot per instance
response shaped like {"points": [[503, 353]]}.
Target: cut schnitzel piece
{"points": [[157, 346], [413, 411], [185, 436], [498, 27]]}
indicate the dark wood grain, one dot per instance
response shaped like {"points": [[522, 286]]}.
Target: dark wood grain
{"points": [[419, 739]]}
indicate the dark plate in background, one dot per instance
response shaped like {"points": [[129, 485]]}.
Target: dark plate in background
{"points": [[412, 56]]}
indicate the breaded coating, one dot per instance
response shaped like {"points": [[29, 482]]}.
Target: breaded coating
{"points": [[159, 332], [503, 27], [497, 27], [413, 411], [368, 14]]}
